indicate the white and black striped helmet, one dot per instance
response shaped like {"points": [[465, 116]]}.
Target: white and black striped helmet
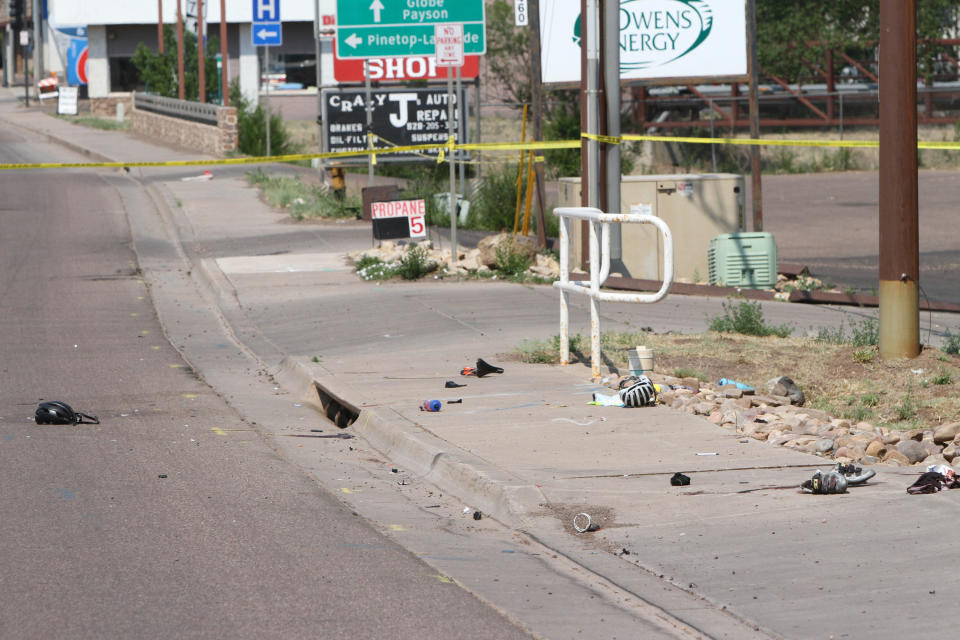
{"points": [[637, 391]]}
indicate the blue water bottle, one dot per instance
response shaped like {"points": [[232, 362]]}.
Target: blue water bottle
{"points": [[431, 405]]}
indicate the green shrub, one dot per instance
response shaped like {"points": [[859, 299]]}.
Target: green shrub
{"points": [[944, 377], [683, 372], [371, 268], [951, 345], [864, 355], [511, 260], [746, 317], [905, 409], [415, 264], [865, 333], [252, 128]]}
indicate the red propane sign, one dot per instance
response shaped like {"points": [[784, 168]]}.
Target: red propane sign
{"points": [[399, 219]]}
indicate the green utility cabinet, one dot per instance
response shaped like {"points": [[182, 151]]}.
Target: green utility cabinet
{"points": [[746, 260]]}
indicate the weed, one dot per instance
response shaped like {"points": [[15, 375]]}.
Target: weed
{"points": [[510, 260], [951, 344], [315, 359], [577, 342], [942, 357], [858, 414], [370, 268], [870, 399], [832, 335], [538, 352], [301, 200], [865, 333], [943, 377], [865, 355], [684, 372], [415, 264], [747, 318], [179, 203], [906, 409]]}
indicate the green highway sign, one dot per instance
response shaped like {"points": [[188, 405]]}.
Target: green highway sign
{"points": [[390, 28]]}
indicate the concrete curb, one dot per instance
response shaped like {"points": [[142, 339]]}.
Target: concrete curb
{"points": [[479, 484]]}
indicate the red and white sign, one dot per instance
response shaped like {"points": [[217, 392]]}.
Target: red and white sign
{"points": [[401, 69], [413, 210], [449, 42], [328, 26]]}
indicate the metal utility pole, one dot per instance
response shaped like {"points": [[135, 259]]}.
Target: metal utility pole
{"points": [[611, 94], [756, 166], [224, 72], [201, 58], [453, 171], [180, 87], [590, 45], [37, 41], [899, 270], [160, 26], [319, 72]]}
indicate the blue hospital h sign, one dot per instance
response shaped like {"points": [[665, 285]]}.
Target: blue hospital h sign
{"points": [[266, 10]]}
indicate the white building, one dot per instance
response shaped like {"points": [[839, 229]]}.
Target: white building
{"points": [[114, 29]]}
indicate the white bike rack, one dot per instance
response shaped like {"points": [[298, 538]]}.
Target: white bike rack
{"points": [[600, 271]]}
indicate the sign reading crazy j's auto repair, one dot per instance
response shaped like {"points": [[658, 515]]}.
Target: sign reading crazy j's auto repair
{"points": [[402, 117], [659, 39]]}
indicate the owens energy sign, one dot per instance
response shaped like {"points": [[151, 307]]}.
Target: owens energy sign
{"points": [[659, 39]]}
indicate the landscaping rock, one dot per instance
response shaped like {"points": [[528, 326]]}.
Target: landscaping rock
{"points": [[896, 457], [912, 450], [947, 432], [784, 386], [949, 452], [876, 449], [824, 445], [527, 245]]}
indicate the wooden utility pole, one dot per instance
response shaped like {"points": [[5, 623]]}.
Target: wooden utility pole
{"points": [[756, 166], [201, 58], [224, 75], [534, 11], [180, 87], [899, 268], [160, 26]]}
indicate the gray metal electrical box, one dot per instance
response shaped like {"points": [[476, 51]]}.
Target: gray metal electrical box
{"points": [[696, 207]]}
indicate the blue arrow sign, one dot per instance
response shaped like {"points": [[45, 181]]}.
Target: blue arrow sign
{"points": [[267, 34]]}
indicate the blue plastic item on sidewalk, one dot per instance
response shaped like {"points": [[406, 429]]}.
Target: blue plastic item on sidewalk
{"points": [[722, 382], [431, 405]]}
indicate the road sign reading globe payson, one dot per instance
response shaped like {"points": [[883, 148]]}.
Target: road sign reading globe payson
{"points": [[387, 28]]}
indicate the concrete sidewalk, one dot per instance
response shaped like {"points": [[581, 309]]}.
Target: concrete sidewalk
{"points": [[739, 553]]}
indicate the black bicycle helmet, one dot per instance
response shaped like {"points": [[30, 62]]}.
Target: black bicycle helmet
{"points": [[56, 412]]}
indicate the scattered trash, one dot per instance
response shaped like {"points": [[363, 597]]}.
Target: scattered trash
{"points": [[708, 453], [316, 430], [457, 401], [207, 175], [624, 552], [450, 384], [394, 470], [483, 368], [583, 523], [918, 372], [477, 515], [432, 506], [830, 482], [466, 509], [468, 371], [722, 382], [637, 391], [56, 412], [936, 478], [298, 404], [162, 475], [603, 400], [431, 405], [679, 480], [571, 421]]}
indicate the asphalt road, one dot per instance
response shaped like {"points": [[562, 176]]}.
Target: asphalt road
{"points": [[155, 523]]}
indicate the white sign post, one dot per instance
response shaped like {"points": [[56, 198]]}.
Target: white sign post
{"points": [[449, 53]]}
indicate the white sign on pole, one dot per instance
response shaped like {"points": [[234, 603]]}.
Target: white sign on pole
{"points": [[67, 101], [449, 43], [520, 12], [659, 39]]}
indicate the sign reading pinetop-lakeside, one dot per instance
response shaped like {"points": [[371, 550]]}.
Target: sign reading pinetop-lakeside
{"points": [[384, 28], [659, 39]]}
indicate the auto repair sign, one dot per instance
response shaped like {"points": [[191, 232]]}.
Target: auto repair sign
{"points": [[401, 117], [659, 39]]}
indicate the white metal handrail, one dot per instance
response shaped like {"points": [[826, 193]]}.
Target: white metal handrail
{"points": [[600, 271]]}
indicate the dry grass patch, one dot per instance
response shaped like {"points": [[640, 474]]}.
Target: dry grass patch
{"points": [[900, 394]]}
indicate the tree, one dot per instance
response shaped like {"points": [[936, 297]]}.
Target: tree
{"points": [[158, 72]]}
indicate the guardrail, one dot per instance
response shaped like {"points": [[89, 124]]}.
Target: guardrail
{"points": [[600, 271], [183, 109]]}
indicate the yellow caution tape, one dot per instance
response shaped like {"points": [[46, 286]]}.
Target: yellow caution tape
{"points": [[450, 145]]}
